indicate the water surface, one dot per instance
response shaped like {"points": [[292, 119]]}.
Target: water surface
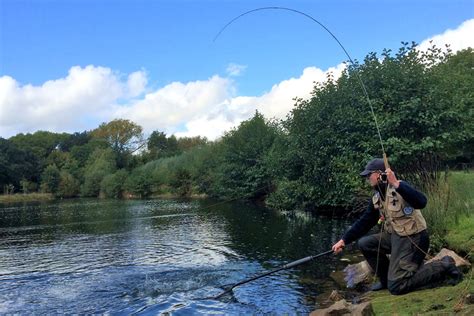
{"points": [[157, 256]]}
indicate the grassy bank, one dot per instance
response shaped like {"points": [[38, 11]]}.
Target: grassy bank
{"points": [[445, 300], [28, 197]]}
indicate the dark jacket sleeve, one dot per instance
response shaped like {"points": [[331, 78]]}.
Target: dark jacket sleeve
{"points": [[415, 198], [362, 226]]}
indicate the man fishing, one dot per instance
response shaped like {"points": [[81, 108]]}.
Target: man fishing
{"points": [[396, 205]]}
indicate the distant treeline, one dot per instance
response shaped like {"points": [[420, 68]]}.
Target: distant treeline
{"points": [[423, 102]]}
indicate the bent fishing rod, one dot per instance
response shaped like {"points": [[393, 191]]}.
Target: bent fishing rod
{"points": [[364, 89], [338, 42], [286, 266]]}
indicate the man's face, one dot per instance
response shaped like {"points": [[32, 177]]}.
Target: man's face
{"points": [[373, 178]]}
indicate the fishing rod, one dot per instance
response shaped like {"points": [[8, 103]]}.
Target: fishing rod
{"points": [[364, 89], [286, 266], [340, 44]]}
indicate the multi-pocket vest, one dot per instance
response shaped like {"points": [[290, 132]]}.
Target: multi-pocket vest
{"points": [[399, 217]]}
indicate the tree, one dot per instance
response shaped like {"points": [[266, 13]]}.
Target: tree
{"points": [[186, 143], [113, 185], [182, 182], [161, 146], [81, 153], [124, 136], [100, 164], [139, 183], [241, 170], [17, 165], [75, 139], [50, 179], [422, 102], [68, 186], [40, 144]]}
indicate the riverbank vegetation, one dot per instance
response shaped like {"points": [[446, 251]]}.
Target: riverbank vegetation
{"points": [[310, 160]]}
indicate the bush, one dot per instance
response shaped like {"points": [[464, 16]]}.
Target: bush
{"points": [[139, 183], [69, 186], [99, 164], [50, 179], [112, 185]]}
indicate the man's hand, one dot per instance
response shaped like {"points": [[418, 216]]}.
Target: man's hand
{"points": [[392, 179], [339, 246]]}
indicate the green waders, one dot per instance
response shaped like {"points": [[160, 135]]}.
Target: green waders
{"points": [[405, 270]]}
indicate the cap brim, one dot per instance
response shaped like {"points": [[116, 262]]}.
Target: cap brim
{"points": [[365, 173]]}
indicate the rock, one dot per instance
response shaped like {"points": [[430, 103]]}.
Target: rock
{"points": [[460, 262], [364, 309], [357, 273], [339, 278], [339, 308], [335, 296], [469, 299], [342, 307]]}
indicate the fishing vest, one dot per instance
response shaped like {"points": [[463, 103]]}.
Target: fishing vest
{"points": [[399, 216]]}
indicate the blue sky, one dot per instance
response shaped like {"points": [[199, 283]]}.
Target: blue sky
{"points": [[152, 58]]}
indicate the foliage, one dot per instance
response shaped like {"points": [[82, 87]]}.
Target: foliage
{"points": [[124, 137], [99, 164], [16, 164], [40, 143], [69, 186], [422, 119], [81, 153], [112, 185], [187, 143], [75, 139], [50, 179], [241, 171], [139, 183], [423, 102], [161, 146], [182, 182]]}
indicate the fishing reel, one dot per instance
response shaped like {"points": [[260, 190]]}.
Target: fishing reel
{"points": [[382, 177]]}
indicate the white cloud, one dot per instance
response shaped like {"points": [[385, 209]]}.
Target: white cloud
{"points": [[235, 69], [91, 95], [276, 103], [58, 105], [136, 83], [460, 38], [176, 104]]}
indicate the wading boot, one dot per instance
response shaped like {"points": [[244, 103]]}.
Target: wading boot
{"points": [[377, 286], [452, 272]]}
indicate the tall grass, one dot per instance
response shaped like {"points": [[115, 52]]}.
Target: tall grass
{"points": [[450, 200], [25, 197]]}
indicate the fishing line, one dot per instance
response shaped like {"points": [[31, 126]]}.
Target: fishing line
{"points": [[333, 36]]}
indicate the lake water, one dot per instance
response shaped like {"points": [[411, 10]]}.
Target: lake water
{"points": [[160, 256]]}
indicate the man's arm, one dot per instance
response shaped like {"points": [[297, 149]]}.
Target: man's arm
{"points": [[413, 197], [362, 226], [368, 219]]}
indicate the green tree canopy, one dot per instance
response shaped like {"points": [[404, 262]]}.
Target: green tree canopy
{"points": [[124, 136]]}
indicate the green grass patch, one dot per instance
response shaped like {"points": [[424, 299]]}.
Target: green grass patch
{"points": [[460, 229], [445, 300], [28, 197], [449, 213], [460, 236]]}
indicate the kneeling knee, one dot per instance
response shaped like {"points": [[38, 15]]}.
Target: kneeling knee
{"points": [[362, 244], [395, 288]]}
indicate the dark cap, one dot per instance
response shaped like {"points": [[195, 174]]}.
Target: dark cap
{"points": [[373, 165]]}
